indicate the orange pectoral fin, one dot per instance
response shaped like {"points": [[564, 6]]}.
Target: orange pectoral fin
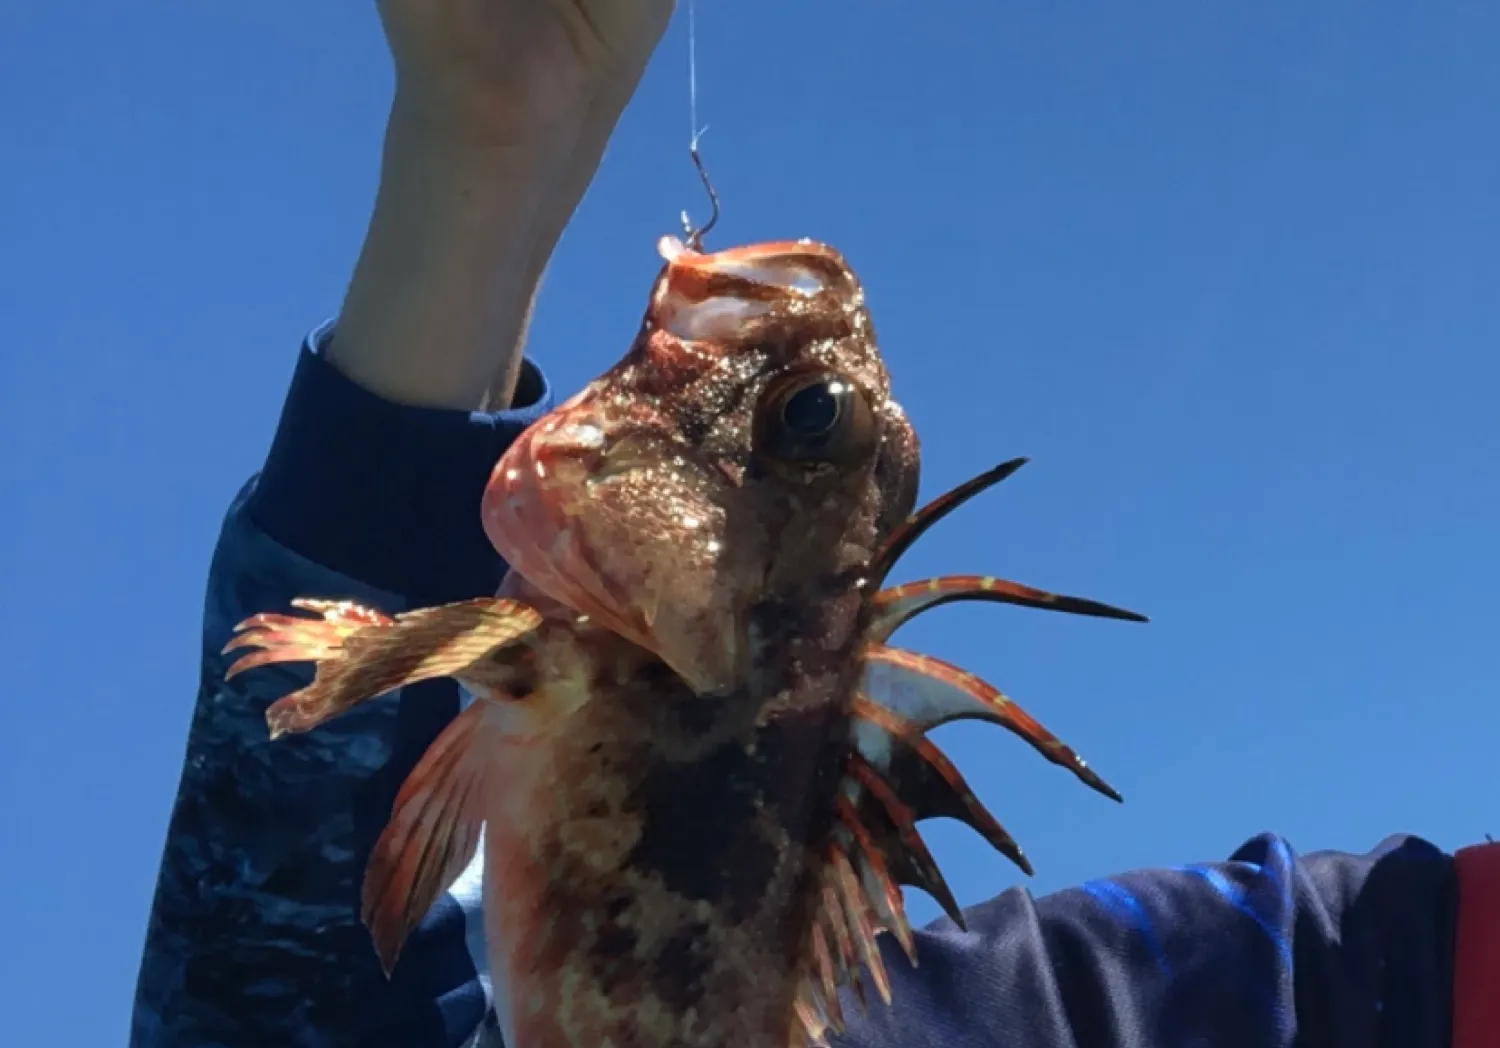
{"points": [[433, 833], [363, 653]]}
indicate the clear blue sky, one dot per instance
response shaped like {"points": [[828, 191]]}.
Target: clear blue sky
{"points": [[1231, 278]]}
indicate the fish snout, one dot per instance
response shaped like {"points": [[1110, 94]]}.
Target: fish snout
{"points": [[718, 297], [634, 532]]}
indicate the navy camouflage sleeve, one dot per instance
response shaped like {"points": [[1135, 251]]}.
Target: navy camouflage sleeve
{"points": [[254, 937], [1267, 950]]}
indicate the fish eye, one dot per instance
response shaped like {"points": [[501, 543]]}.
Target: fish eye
{"points": [[815, 419], [812, 412]]}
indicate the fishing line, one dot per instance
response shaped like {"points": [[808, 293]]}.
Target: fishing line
{"points": [[695, 134], [692, 41]]}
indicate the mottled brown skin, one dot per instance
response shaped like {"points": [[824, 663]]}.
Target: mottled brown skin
{"points": [[654, 856]]}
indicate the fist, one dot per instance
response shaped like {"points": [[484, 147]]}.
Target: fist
{"points": [[517, 68]]}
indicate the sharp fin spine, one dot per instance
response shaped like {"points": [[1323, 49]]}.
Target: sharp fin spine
{"points": [[880, 888], [898, 605], [929, 783], [917, 524], [847, 961], [906, 853], [859, 913], [828, 976], [927, 692]]}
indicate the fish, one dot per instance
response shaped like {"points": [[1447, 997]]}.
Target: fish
{"points": [[696, 760]]}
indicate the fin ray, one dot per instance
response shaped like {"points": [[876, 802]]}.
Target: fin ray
{"points": [[847, 959], [880, 888], [431, 837], [827, 979], [928, 782], [924, 518], [898, 605], [927, 691], [859, 913], [361, 653], [893, 828]]}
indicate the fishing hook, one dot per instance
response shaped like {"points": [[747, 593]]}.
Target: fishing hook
{"points": [[695, 236]]}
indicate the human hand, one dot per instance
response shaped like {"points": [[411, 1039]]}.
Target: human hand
{"points": [[515, 70], [501, 115]]}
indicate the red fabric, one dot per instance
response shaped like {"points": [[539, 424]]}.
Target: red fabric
{"points": [[1476, 962]]}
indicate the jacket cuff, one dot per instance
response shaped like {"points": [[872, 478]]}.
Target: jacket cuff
{"points": [[384, 493]]}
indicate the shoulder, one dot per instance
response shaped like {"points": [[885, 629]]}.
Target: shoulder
{"points": [[1263, 948]]}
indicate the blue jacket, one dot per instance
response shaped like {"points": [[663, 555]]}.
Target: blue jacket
{"points": [[255, 940]]}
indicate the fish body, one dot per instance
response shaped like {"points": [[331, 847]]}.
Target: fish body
{"points": [[696, 759], [645, 857]]}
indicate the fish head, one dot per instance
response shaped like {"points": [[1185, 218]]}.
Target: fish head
{"points": [[745, 454]]}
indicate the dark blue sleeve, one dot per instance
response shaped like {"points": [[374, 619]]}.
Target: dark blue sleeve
{"points": [[254, 937], [1267, 950]]}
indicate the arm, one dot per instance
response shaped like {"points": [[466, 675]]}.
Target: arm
{"points": [[1268, 950], [254, 937], [371, 492], [502, 112]]}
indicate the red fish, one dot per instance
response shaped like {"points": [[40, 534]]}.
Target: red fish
{"points": [[699, 762]]}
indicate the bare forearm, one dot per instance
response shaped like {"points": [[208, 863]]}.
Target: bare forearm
{"points": [[502, 112], [462, 229]]}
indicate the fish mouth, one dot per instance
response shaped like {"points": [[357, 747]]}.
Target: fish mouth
{"points": [[718, 296]]}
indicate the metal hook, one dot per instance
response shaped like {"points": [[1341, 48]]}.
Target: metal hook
{"points": [[695, 236]]}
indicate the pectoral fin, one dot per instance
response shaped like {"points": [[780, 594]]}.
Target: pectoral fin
{"points": [[433, 833], [362, 653]]}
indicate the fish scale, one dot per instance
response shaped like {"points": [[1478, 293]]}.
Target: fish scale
{"points": [[698, 764]]}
